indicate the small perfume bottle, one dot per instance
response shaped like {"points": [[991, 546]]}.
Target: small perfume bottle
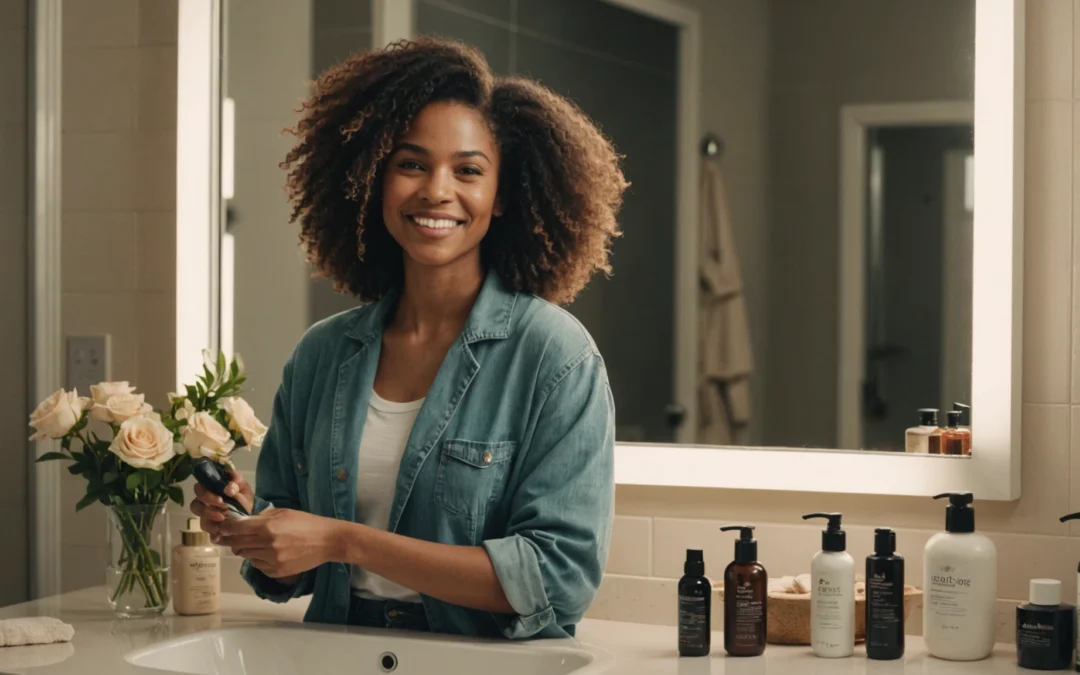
{"points": [[956, 441], [965, 421], [1045, 633], [918, 439]]}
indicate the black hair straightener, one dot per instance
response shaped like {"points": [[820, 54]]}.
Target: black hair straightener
{"points": [[215, 478]]}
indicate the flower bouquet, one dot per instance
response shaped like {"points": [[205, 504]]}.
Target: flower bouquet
{"points": [[134, 459]]}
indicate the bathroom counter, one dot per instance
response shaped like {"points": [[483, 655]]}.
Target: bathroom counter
{"points": [[101, 640]]}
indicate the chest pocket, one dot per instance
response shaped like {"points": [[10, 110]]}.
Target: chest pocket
{"points": [[471, 476]]}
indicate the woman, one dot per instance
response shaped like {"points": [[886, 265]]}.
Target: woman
{"points": [[441, 457]]}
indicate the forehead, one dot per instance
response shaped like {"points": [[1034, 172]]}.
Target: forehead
{"points": [[450, 127]]}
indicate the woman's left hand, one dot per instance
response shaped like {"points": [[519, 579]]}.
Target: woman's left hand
{"points": [[280, 542]]}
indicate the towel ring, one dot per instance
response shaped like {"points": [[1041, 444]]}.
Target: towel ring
{"points": [[712, 146]]}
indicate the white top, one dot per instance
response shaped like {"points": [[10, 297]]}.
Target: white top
{"points": [[382, 444]]}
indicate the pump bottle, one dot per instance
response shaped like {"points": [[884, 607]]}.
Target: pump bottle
{"points": [[832, 593], [746, 592], [884, 598], [960, 586]]}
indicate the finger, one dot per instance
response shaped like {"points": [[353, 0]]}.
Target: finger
{"points": [[232, 489], [207, 497], [240, 527], [237, 478]]}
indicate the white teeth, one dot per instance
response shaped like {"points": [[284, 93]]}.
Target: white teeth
{"points": [[433, 223]]}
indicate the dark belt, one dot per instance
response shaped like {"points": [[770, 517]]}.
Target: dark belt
{"points": [[387, 614]]}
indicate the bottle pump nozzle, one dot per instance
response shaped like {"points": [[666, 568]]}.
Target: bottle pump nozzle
{"points": [[1071, 516], [745, 545], [959, 516], [832, 537]]}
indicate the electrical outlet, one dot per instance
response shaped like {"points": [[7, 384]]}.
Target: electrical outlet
{"points": [[87, 361]]}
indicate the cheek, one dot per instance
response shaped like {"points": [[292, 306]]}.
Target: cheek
{"points": [[480, 200], [396, 191]]}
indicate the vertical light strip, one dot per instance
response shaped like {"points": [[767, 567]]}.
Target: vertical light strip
{"points": [[45, 288], [228, 292], [194, 196]]}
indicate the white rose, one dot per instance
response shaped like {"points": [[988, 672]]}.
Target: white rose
{"points": [[121, 407], [186, 411], [143, 442], [56, 415], [205, 437], [242, 420], [102, 391]]}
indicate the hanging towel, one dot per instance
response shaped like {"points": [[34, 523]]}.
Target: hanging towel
{"points": [[33, 630], [724, 352]]}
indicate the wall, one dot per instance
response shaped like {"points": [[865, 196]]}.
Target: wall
{"points": [[654, 526], [119, 221], [910, 51], [14, 131]]}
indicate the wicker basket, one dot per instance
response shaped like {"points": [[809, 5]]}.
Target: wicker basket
{"points": [[789, 615]]}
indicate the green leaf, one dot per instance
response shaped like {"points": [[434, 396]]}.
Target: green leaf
{"points": [[176, 493], [182, 471], [151, 477], [90, 497], [133, 481], [75, 469], [192, 393], [221, 362], [110, 477], [234, 370], [65, 443], [49, 456]]}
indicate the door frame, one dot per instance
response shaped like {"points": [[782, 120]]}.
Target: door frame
{"points": [[855, 121], [395, 20]]}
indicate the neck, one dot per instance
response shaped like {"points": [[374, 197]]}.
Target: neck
{"points": [[437, 300]]}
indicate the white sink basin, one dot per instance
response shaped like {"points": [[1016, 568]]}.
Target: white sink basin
{"points": [[302, 649]]}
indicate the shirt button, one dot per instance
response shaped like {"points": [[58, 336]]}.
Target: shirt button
{"points": [[487, 458], [342, 474], [300, 465]]}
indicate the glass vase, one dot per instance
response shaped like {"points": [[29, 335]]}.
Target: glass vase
{"points": [[137, 577]]}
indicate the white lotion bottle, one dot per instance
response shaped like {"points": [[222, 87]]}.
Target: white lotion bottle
{"points": [[959, 586], [832, 594]]}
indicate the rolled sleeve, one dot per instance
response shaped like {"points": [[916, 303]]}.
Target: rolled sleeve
{"points": [[552, 558]]}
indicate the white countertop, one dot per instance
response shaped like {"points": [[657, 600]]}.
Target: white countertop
{"points": [[101, 641]]}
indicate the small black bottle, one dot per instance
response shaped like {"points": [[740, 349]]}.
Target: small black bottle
{"points": [[884, 598], [1045, 633], [695, 607]]}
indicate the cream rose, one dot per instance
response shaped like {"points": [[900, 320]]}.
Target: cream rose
{"points": [[185, 411], [205, 437], [101, 392], [143, 442], [243, 421], [121, 407], [56, 415]]}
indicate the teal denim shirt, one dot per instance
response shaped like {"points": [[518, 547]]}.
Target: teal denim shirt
{"points": [[513, 450]]}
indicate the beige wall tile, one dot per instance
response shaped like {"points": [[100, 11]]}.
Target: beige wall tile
{"points": [[231, 581], [157, 87], [82, 567], [1049, 63], [156, 320], [105, 313], [1044, 484], [99, 171], [637, 599], [98, 251], [80, 528], [158, 22], [1048, 251], [13, 14], [1075, 53], [1074, 481], [13, 82], [13, 141], [100, 23], [631, 546], [15, 562], [155, 179], [156, 259], [99, 89]]}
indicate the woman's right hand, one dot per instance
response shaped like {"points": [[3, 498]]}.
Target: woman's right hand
{"points": [[211, 509]]}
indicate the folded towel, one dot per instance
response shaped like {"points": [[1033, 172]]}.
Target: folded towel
{"points": [[33, 630]]}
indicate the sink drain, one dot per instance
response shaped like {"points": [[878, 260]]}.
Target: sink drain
{"points": [[388, 662]]}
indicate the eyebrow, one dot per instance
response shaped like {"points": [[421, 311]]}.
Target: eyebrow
{"points": [[421, 150]]}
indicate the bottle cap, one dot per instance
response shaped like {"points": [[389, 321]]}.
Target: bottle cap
{"points": [[954, 418], [695, 563], [965, 413], [959, 516], [193, 535], [833, 539], [928, 417], [1045, 592], [745, 545], [884, 541]]}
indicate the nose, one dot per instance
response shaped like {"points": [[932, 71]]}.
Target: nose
{"points": [[439, 187]]}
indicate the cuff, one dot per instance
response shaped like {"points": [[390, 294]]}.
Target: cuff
{"points": [[273, 590], [518, 571], [260, 506]]}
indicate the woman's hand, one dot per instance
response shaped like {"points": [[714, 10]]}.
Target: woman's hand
{"points": [[211, 509], [282, 543]]}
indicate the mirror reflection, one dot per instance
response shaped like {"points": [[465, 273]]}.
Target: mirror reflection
{"points": [[833, 279]]}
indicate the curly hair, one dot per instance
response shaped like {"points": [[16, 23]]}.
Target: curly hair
{"points": [[560, 182]]}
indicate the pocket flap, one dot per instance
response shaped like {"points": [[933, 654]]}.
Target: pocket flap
{"points": [[478, 454]]}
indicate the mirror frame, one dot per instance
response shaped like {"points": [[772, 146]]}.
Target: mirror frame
{"points": [[993, 470]]}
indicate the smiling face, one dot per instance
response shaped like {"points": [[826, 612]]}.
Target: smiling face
{"points": [[440, 190]]}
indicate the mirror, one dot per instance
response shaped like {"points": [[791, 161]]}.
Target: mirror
{"points": [[808, 257]]}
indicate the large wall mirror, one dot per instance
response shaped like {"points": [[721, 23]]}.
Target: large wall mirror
{"points": [[822, 237]]}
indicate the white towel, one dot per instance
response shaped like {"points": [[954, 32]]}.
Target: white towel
{"points": [[34, 630]]}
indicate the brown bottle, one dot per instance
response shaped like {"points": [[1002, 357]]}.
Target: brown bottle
{"points": [[746, 594], [955, 440]]}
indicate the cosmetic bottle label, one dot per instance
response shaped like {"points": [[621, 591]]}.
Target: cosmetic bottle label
{"points": [[749, 613], [693, 621]]}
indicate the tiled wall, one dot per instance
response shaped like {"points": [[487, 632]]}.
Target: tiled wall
{"points": [[13, 228], [655, 526], [119, 220]]}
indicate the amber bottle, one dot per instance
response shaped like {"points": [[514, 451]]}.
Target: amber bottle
{"points": [[746, 594]]}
